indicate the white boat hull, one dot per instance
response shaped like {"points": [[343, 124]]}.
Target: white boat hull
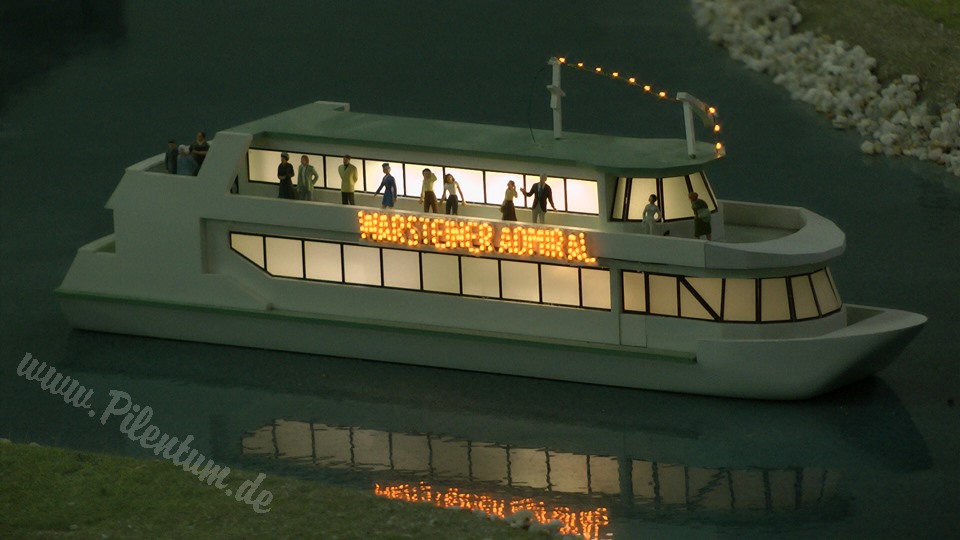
{"points": [[760, 369]]}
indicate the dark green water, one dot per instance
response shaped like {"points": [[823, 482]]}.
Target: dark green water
{"points": [[90, 89]]}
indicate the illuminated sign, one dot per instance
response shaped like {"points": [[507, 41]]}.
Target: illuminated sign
{"points": [[586, 523], [478, 237]]}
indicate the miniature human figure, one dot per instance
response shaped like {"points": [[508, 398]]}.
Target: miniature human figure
{"points": [[170, 159], [651, 214], [389, 187], [306, 176], [186, 165], [285, 174], [199, 149], [427, 196], [348, 179], [451, 186], [508, 210], [701, 216], [542, 194]]}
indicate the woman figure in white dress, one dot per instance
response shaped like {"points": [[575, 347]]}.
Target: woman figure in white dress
{"points": [[651, 214]]}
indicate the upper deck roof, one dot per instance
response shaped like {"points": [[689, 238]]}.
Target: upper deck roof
{"points": [[624, 156]]}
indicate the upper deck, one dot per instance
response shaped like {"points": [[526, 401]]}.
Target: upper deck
{"points": [[332, 123], [600, 184]]}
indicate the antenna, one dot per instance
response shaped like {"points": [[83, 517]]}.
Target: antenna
{"points": [[556, 94]]}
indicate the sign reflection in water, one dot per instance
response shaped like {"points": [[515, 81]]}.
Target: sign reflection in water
{"points": [[587, 523], [584, 491]]}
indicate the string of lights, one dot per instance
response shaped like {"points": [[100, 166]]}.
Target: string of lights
{"points": [[707, 112]]}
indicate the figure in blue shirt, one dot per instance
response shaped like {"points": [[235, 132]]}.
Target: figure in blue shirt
{"points": [[389, 187]]}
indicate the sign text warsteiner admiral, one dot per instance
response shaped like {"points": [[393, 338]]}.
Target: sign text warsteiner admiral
{"points": [[477, 237]]}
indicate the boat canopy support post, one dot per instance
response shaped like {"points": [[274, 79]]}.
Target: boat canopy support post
{"points": [[556, 94], [693, 105]]}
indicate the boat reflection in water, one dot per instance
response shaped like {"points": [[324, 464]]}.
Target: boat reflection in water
{"points": [[578, 489], [462, 473], [605, 461]]}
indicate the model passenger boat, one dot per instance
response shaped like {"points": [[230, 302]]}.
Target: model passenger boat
{"points": [[586, 297]]}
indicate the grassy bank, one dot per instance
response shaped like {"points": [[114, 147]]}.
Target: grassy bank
{"points": [[919, 37], [55, 493]]}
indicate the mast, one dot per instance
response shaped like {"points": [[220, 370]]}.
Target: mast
{"points": [[707, 114], [556, 94]]}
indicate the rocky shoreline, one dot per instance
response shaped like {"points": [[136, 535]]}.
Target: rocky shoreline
{"points": [[837, 78]]}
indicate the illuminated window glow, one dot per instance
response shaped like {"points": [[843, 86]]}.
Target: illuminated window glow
{"points": [[561, 285], [798, 297], [826, 292], [520, 281], [441, 273], [284, 257], [478, 186], [553, 473], [323, 261], [804, 303], [663, 295], [774, 304], [634, 292], [595, 288], [740, 300], [361, 265], [404, 269], [444, 273], [481, 277], [250, 246], [731, 299], [632, 195]]}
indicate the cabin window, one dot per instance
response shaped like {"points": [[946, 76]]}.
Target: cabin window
{"points": [[361, 265], [708, 290], [557, 187], [496, 187], [804, 303], [284, 257], [561, 284], [479, 186], [248, 245], [471, 184], [401, 269], [676, 199], [481, 277], [581, 196], [731, 299], [414, 178], [619, 199], [373, 170], [740, 300], [323, 261], [641, 189], [633, 194], [520, 281], [663, 295], [488, 277], [595, 288], [441, 273], [692, 304], [634, 292], [825, 291], [698, 183], [774, 303]]}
